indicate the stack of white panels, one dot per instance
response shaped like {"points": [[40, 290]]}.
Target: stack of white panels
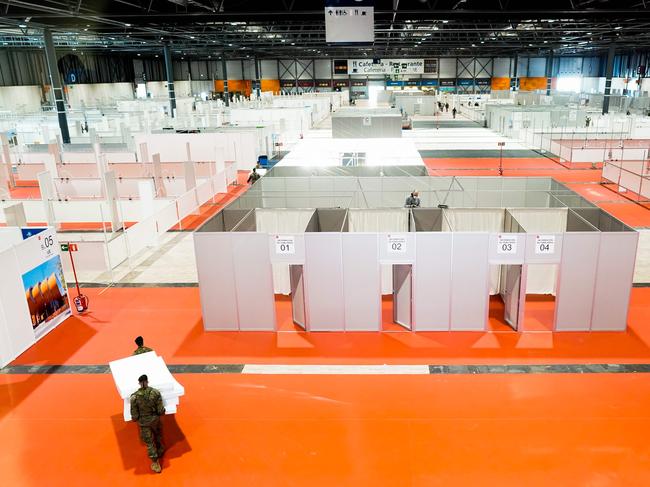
{"points": [[126, 372]]}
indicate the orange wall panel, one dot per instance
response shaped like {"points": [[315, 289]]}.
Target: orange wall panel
{"points": [[270, 85], [243, 86], [532, 83], [500, 84]]}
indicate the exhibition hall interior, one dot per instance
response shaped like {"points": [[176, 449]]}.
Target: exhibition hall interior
{"points": [[338, 243]]}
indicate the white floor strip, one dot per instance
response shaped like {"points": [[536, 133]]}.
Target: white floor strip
{"points": [[336, 369]]}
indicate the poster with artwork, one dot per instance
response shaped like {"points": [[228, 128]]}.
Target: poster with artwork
{"points": [[46, 293]]}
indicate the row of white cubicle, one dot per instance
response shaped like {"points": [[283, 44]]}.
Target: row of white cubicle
{"points": [[491, 236]]}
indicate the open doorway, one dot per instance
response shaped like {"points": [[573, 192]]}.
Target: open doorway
{"points": [[540, 288], [296, 279], [397, 308], [507, 297]]}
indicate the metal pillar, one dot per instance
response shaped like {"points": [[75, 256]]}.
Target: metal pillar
{"points": [[224, 68], [169, 69], [256, 83], [549, 73], [514, 82], [609, 71], [55, 83]]}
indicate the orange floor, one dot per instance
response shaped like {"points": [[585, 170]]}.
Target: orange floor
{"points": [[170, 321], [429, 430]]}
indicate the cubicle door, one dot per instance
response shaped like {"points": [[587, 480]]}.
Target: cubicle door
{"points": [[297, 295], [402, 294], [511, 293]]}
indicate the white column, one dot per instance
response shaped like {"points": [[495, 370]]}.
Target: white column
{"points": [[110, 189], [158, 176], [15, 215], [6, 174], [46, 187]]}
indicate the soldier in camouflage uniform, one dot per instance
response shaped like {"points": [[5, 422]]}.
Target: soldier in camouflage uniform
{"points": [[146, 409], [139, 341]]}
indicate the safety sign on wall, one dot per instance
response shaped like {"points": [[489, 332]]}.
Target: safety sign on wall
{"points": [[285, 245], [506, 244], [396, 244], [545, 244]]}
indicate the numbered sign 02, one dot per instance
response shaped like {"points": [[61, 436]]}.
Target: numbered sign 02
{"points": [[396, 244], [285, 245], [506, 244]]}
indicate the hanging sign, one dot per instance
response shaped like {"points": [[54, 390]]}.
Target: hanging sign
{"points": [[506, 244], [396, 244], [545, 244], [349, 21], [285, 245], [385, 66]]}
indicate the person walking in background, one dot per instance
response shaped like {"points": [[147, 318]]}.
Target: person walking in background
{"points": [[146, 409], [453, 112], [413, 201], [139, 341], [447, 107], [254, 176]]}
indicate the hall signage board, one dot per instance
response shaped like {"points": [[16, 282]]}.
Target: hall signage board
{"points": [[349, 21], [385, 66]]}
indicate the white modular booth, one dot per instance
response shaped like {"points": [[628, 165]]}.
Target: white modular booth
{"points": [[367, 123], [336, 245], [416, 103], [33, 292]]}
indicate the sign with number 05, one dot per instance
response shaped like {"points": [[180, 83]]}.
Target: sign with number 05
{"points": [[396, 244], [506, 244], [285, 245], [545, 244]]}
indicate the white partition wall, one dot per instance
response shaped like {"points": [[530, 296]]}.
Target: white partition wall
{"points": [[613, 276], [432, 281], [575, 294], [216, 275], [469, 281], [361, 265], [253, 281], [324, 296]]}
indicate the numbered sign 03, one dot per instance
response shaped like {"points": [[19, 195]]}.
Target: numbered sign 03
{"points": [[506, 244]]}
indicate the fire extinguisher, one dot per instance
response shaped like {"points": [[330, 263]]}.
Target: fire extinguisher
{"points": [[81, 301]]}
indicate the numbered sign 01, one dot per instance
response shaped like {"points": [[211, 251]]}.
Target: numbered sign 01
{"points": [[506, 244], [285, 245]]}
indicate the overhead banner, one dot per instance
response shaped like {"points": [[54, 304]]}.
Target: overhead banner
{"points": [[386, 66], [349, 21]]}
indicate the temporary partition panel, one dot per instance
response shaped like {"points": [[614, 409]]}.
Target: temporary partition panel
{"points": [[478, 220], [380, 220], [299, 314], [545, 224], [324, 282], [278, 222], [469, 281], [361, 265], [576, 283], [253, 281], [403, 295], [614, 274], [432, 281], [216, 275]]}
